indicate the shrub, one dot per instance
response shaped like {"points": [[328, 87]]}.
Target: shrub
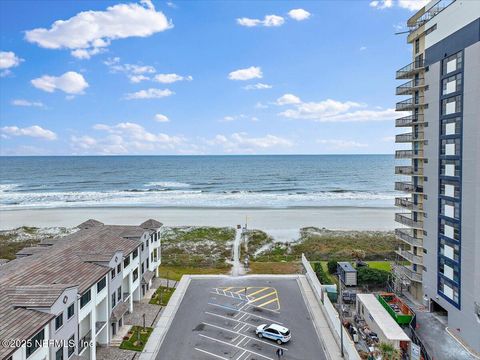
{"points": [[332, 266], [369, 276], [322, 277]]}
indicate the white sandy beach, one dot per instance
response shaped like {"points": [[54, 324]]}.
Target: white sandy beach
{"points": [[280, 223]]}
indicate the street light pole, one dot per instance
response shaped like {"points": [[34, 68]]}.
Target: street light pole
{"points": [[341, 315]]}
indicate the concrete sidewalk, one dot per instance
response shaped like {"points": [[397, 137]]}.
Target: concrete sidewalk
{"points": [[321, 325]]}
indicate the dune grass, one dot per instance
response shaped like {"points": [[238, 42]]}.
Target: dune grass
{"points": [[176, 272]]}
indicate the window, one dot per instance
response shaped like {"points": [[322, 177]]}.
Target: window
{"points": [[59, 321], [135, 274], [35, 342], [450, 188], [135, 253], [113, 273], [101, 284], [450, 147], [430, 29], [449, 229], [452, 105], [450, 208], [119, 293], [452, 84], [450, 168], [59, 354], [449, 249], [148, 264], [114, 300], [417, 46], [449, 270], [452, 63], [85, 299], [143, 247], [119, 268], [143, 268], [126, 262], [71, 311], [71, 345], [451, 126]]}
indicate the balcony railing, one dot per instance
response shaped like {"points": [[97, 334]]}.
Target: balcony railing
{"points": [[84, 341], [409, 154], [407, 203], [409, 137], [403, 271], [409, 120], [409, 171], [414, 259], [406, 219], [410, 69], [408, 187], [410, 104], [410, 86], [430, 14], [407, 236]]}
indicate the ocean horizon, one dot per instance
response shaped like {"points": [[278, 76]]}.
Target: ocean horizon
{"points": [[201, 181]]}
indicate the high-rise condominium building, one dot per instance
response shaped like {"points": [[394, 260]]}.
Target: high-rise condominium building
{"points": [[441, 213]]}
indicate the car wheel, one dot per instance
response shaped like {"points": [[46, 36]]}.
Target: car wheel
{"points": [[260, 335], [279, 342]]}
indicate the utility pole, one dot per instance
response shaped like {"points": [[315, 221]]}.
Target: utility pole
{"points": [[341, 314]]}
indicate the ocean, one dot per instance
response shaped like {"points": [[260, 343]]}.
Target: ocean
{"points": [[270, 181]]}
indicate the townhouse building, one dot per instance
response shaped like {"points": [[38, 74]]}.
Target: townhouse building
{"points": [[71, 293]]}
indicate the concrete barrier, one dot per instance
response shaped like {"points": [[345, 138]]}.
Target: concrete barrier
{"points": [[332, 316]]}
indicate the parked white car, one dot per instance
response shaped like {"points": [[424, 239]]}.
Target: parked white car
{"points": [[274, 332]]}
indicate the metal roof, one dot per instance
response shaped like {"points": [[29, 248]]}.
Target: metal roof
{"points": [[346, 266]]}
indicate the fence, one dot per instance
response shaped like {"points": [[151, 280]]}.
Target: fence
{"points": [[330, 313]]}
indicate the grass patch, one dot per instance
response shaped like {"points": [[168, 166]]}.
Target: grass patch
{"points": [[162, 295], [176, 272], [380, 265], [257, 267], [10, 244], [132, 342], [256, 240], [322, 245], [197, 246]]}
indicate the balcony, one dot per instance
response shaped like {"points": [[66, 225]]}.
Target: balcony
{"points": [[409, 154], [410, 70], [410, 87], [406, 235], [406, 219], [408, 187], [409, 137], [84, 342], [407, 273], [414, 259], [408, 171], [410, 104], [407, 203], [409, 120]]}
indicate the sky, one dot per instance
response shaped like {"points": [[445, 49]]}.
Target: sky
{"points": [[200, 77]]}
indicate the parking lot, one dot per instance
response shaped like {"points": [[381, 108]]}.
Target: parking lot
{"points": [[217, 319]]}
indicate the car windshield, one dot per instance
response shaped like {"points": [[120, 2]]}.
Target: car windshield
{"points": [[286, 333]]}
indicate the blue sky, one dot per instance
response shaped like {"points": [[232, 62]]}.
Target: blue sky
{"points": [[200, 77]]}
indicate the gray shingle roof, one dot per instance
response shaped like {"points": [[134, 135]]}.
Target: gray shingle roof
{"points": [[151, 224], [36, 295], [89, 224]]}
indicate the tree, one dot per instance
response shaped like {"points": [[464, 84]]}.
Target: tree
{"points": [[332, 266], [322, 277], [358, 254], [369, 276], [388, 352]]}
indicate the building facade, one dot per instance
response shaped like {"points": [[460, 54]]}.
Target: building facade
{"points": [[74, 291], [441, 214]]}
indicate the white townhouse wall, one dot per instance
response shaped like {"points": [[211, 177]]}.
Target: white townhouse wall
{"points": [[131, 277], [40, 353]]}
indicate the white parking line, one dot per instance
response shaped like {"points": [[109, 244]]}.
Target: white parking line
{"points": [[258, 316], [238, 347], [241, 355], [211, 354], [250, 337]]}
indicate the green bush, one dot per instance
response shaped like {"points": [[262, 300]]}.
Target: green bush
{"points": [[332, 266], [369, 276], [321, 275]]}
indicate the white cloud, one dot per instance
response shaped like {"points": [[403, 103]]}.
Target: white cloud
{"points": [[288, 99], [381, 4], [299, 14], [31, 131], [333, 111], [253, 72], [171, 78], [363, 48], [412, 5], [257, 86], [151, 93], [136, 73], [335, 144], [230, 118], [71, 83], [161, 118], [260, 105], [8, 60], [268, 21], [23, 102], [90, 32], [242, 143]]}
